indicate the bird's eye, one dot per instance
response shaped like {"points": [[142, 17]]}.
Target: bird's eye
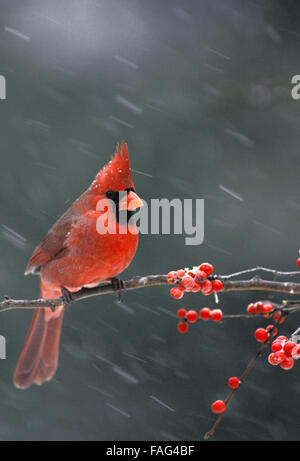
{"points": [[109, 194]]}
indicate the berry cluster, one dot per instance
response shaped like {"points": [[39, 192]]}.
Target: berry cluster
{"points": [[191, 316], [200, 278], [260, 308], [284, 353], [267, 309]]}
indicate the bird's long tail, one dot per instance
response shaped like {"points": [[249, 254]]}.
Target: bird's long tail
{"points": [[39, 357]]}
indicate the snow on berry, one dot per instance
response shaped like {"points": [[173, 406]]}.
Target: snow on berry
{"points": [[187, 283], [284, 352], [296, 352], [194, 280], [176, 292], [272, 359], [281, 338], [181, 272], [172, 277]]}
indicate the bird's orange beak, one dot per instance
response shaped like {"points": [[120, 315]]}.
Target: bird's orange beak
{"points": [[130, 202]]}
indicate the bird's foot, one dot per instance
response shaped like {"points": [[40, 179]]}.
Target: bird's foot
{"points": [[118, 286], [66, 297]]}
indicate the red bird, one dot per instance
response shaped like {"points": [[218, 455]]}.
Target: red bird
{"points": [[74, 255]]}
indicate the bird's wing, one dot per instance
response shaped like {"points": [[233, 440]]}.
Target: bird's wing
{"points": [[53, 245]]}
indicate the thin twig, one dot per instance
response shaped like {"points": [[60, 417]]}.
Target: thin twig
{"points": [[260, 268], [242, 380]]}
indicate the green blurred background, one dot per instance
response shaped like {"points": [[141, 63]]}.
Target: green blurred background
{"points": [[200, 90]]}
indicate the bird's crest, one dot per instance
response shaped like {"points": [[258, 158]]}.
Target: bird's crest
{"points": [[116, 174]]}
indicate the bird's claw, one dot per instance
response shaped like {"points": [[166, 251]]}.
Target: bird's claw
{"points": [[67, 296], [118, 286]]}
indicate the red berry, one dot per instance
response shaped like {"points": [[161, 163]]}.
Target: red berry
{"points": [[271, 329], [298, 262], [192, 316], [181, 313], [251, 308], [281, 338], [182, 327], [267, 307], [296, 352], [261, 335], [279, 356], [287, 363], [206, 287], [181, 273], [277, 316], [233, 382], [217, 285], [259, 307], [172, 277], [272, 359], [207, 268], [187, 283], [218, 406], [216, 315], [196, 287], [288, 347], [205, 313], [200, 277], [276, 346], [176, 292]]}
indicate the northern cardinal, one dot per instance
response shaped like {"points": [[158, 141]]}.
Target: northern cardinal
{"points": [[74, 255]]}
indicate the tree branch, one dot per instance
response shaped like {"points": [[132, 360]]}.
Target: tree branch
{"points": [[256, 283]]}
